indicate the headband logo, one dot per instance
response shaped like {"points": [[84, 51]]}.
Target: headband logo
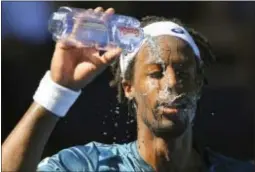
{"points": [[177, 30]]}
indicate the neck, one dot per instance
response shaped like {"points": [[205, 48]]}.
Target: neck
{"points": [[164, 154]]}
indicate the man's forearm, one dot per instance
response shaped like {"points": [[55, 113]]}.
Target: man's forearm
{"points": [[23, 148]]}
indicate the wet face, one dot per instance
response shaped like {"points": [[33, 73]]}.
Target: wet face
{"points": [[164, 85]]}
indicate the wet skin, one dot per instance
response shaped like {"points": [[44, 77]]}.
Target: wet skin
{"points": [[163, 75], [165, 91]]}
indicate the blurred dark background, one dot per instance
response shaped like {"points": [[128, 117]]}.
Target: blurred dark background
{"points": [[225, 115]]}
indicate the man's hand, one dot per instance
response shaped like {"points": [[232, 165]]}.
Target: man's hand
{"points": [[75, 66], [72, 67]]}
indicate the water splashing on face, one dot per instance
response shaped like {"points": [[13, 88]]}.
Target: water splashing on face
{"points": [[154, 51], [152, 85]]}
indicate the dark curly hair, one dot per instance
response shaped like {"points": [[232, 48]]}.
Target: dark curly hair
{"points": [[203, 44]]}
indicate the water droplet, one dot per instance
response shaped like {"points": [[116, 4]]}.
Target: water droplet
{"points": [[132, 121], [117, 111], [105, 133], [128, 136], [103, 122], [212, 113], [114, 138], [117, 107], [116, 124], [127, 122], [127, 131]]}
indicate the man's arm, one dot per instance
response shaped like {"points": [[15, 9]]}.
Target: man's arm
{"points": [[72, 68], [23, 148]]}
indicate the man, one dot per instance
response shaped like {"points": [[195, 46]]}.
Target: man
{"points": [[160, 81]]}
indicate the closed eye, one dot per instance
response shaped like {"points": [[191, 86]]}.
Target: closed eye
{"points": [[156, 75]]}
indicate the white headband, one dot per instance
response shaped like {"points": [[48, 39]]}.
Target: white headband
{"points": [[157, 29]]}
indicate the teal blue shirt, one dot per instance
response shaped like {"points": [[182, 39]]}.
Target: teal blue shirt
{"points": [[96, 156]]}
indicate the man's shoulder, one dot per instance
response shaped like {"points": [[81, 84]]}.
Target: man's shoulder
{"points": [[84, 157], [98, 148], [105, 151], [103, 147]]}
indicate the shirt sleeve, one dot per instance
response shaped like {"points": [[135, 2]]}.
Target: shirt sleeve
{"points": [[78, 158]]}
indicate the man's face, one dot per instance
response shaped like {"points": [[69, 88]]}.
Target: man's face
{"points": [[164, 85]]}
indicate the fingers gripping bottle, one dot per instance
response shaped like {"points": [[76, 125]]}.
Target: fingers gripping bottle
{"points": [[89, 28]]}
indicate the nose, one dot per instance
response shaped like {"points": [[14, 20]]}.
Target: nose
{"points": [[171, 81], [170, 77]]}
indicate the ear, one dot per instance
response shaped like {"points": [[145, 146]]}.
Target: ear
{"points": [[128, 89]]}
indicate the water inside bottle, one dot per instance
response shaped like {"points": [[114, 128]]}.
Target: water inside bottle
{"points": [[96, 29]]}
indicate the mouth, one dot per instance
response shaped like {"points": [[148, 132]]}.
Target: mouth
{"points": [[174, 107], [168, 111]]}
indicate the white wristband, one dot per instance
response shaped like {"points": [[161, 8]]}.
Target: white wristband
{"points": [[54, 97]]}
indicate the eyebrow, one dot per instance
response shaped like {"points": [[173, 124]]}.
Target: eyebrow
{"points": [[154, 61]]}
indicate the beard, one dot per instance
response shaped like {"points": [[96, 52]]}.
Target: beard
{"points": [[174, 125]]}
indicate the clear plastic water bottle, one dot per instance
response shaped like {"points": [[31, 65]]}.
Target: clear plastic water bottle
{"points": [[95, 29]]}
